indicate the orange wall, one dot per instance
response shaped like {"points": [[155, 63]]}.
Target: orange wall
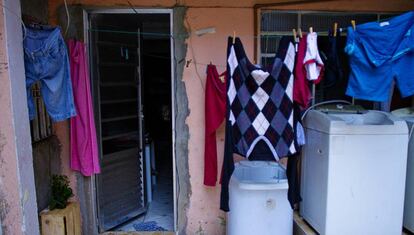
{"points": [[203, 212], [342, 5], [204, 216]]}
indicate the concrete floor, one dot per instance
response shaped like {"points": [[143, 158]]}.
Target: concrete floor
{"points": [[161, 209]]}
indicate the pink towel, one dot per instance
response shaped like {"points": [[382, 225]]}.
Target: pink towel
{"points": [[84, 147]]}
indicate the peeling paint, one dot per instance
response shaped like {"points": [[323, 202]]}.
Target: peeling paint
{"points": [[4, 210], [3, 143]]}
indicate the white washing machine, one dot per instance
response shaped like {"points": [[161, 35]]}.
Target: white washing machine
{"points": [[353, 173], [408, 115]]}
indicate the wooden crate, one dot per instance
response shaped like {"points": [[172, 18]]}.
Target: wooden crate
{"points": [[61, 221]]}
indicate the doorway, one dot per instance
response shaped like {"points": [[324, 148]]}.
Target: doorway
{"points": [[131, 73]]}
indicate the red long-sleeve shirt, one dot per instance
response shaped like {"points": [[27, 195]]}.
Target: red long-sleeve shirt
{"points": [[215, 112]]}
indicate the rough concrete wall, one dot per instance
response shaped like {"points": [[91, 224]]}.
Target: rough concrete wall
{"points": [[35, 8], [181, 114], [75, 29], [46, 162], [18, 209]]}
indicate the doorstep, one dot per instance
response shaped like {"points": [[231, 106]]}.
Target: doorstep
{"points": [[300, 227], [138, 233]]}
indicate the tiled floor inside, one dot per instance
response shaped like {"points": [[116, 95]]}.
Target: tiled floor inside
{"points": [[159, 211]]}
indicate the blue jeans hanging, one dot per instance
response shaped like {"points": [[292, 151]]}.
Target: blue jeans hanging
{"points": [[46, 60]]}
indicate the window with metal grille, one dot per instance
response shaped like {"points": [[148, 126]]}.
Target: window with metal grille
{"points": [[275, 24], [41, 125]]}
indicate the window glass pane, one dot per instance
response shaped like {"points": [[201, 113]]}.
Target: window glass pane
{"points": [[275, 24], [278, 21]]}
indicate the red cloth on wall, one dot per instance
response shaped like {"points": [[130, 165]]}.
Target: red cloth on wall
{"points": [[215, 112]]}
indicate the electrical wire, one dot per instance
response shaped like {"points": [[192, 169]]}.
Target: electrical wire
{"points": [[411, 132], [67, 17], [132, 7], [322, 103]]}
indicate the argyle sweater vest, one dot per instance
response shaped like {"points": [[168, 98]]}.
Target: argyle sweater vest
{"points": [[259, 109]]}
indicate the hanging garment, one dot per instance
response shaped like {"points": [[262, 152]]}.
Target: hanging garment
{"points": [[293, 179], [313, 63], [46, 60], [301, 92], [333, 69], [215, 112], [380, 52], [260, 109], [83, 144]]}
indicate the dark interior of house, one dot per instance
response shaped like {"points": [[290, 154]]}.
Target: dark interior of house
{"points": [[132, 80]]}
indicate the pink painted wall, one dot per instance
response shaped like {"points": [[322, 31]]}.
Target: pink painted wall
{"points": [[204, 216], [10, 211], [203, 212], [18, 209]]}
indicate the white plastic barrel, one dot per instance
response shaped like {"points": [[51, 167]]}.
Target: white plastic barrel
{"points": [[258, 200]]}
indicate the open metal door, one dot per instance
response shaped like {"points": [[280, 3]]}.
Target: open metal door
{"points": [[116, 77]]}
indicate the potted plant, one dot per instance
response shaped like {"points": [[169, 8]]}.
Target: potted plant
{"points": [[61, 192], [62, 217]]}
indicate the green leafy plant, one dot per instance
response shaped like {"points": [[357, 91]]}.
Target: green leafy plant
{"points": [[61, 192]]}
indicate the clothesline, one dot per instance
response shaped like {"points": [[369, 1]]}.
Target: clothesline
{"points": [[167, 35], [181, 61]]}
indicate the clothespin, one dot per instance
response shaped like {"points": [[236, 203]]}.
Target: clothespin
{"points": [[295, 39], [353, 24], [234, 37], [310, 29], [335, 29], [300, 32], [222, 78]]}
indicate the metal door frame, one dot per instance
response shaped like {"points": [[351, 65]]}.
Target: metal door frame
{"points": [[86, 14]]}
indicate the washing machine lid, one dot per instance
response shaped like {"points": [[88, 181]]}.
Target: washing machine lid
{"points": [[370, 122]]}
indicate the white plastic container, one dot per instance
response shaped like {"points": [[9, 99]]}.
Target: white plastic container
{"points": [[408, 115], [258, 200], [353, 173]]}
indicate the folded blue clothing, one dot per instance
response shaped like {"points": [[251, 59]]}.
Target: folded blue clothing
{"points": [[379, 53], [46, 60]]}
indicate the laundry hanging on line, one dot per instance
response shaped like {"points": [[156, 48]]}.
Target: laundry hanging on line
{"points": [[84, 155], [215, 113], [46, 60], [380, 52], [260, 119]]}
